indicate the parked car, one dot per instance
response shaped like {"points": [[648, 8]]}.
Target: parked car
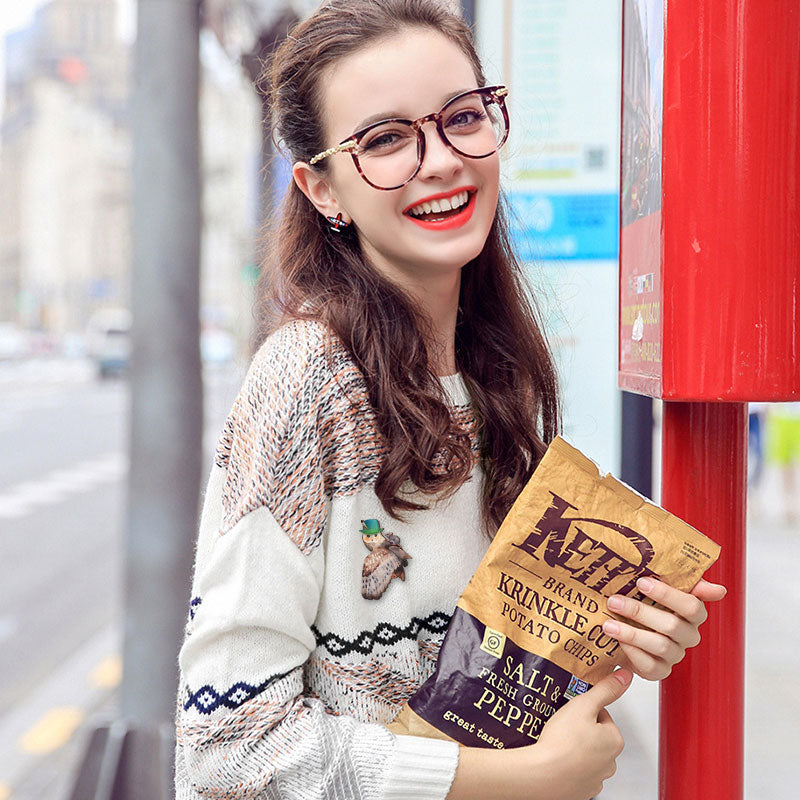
{"points": [[108, 338], [13, 341]]}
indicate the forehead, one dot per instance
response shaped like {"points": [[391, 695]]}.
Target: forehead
{"points": [[407, 75]]}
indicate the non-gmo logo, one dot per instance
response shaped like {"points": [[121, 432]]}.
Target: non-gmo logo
{"points": [[493, 642]]}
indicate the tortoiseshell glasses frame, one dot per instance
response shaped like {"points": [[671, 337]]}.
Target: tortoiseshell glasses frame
{"points": [[492, 94]]}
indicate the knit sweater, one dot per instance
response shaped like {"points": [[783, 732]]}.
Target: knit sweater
{"points": [[288, 674]]}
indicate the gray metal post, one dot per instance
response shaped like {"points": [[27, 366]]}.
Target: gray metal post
{"points": [[637, 442], [166, 376], [131, 758]]}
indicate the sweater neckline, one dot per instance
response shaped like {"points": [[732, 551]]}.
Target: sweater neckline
{"points": [[455, 389]]}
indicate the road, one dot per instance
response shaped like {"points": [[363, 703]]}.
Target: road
{"points": [[63, 437]]}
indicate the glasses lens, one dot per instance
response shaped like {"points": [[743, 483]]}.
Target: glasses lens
{"points": [[388, 154], [475, 125]]}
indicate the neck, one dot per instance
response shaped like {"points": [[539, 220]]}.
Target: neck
{"points": [[439, 299], [437, 295]]}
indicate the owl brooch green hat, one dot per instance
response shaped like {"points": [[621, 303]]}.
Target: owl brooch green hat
{"points": [[386, 559], [370, 527]]}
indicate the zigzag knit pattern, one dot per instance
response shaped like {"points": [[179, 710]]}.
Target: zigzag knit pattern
{"points": [[207, 699], [288, 675], [384, 634]]}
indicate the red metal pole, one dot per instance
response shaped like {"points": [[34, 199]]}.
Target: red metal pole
{"points": [[704, 481]]}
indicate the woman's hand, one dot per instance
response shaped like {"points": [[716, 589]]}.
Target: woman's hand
{"points": [[668, 634], [575, 753], [579, 744]]}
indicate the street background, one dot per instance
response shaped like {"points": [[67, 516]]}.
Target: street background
{"points": [[66, 395]]}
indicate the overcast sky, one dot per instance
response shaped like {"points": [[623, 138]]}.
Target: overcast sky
{"points": [[16, 14]]}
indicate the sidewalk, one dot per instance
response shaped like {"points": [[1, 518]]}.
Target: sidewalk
{"points": [[772, 708]]}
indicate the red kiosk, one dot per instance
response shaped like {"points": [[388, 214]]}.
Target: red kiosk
{"points": [[709, 302]]}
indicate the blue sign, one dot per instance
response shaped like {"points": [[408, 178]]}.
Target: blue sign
{"points": [[546, 226]]}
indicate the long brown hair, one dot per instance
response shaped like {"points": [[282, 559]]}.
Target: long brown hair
{"points": [[308, 273]]}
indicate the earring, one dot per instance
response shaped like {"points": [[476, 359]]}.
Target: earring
{"points": [[337, 223]]}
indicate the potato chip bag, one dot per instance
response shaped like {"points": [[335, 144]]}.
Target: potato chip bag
{"points": [[526, 635]]}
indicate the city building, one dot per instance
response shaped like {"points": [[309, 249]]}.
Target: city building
{"points": [[64, 167], [66, 174]]}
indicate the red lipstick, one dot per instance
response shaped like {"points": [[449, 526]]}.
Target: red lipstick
{"points": [[446, 223]]}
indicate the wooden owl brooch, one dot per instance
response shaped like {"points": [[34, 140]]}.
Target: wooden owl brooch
{"points": [[386, 559]]}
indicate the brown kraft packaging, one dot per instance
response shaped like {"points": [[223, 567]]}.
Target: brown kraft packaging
{"points": [[526, 634]]}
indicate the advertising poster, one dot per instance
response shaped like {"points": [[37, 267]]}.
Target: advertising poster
{"points": [[640, 200], [560, 170], [564, 72]]}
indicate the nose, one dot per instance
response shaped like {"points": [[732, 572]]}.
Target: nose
{"points": [[440, 160]]}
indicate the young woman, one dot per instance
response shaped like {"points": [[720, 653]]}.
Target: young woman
{"points": [[404, 399]]}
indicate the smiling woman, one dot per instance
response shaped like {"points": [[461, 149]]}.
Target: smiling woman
{"points": [[385, 111], [401, 396], [402, 376]]}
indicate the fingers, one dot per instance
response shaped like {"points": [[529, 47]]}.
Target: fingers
{"points": [[643, 664], [606, 691], [669, 645], [666, 632], [709, 592], [617, 742], [669, 628], [646, 665], [686, 605]]}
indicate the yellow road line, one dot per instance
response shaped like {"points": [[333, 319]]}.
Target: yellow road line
{"points": [[5, 791], [107, 674], [52, 731]]}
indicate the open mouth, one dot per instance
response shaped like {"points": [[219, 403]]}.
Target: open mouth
{"points": [[444, 212], [441, 209]]}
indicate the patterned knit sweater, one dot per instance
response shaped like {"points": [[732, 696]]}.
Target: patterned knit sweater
{"points": [[288, 674]]}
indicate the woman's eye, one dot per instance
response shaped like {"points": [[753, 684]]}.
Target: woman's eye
{"points": [[384, 141], [466, 118]]}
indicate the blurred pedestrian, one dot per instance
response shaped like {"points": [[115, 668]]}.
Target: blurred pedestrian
{"points": [[783, 450], [385, 427], [755, 449]]}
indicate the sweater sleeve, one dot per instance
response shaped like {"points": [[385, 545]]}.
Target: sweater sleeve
{"points": [[247, 726]]}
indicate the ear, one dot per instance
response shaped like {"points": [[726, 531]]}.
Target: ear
{"points": [[315, 186]]}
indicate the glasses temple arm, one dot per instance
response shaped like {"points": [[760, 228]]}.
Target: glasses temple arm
{"points": [[348, 145]]}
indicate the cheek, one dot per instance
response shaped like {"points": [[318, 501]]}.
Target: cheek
{"points": [[491, 190], [374, 213], [366, 205], [348, 185], [492, 174], [378, 222]]}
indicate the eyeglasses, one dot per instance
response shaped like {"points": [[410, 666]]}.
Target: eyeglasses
{"points": [[388, 154]]}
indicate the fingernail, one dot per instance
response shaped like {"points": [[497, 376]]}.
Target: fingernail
{"points": [[616, 603], [623, 676], [645, 584], [611, 627]]}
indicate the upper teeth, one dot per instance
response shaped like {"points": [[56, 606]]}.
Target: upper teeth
{"points": [[443, 204]]}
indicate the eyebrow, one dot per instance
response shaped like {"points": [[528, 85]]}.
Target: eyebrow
{"points": [[396, 114]]}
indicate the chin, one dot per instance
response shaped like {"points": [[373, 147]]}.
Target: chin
{"points": [[458, 254]]}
